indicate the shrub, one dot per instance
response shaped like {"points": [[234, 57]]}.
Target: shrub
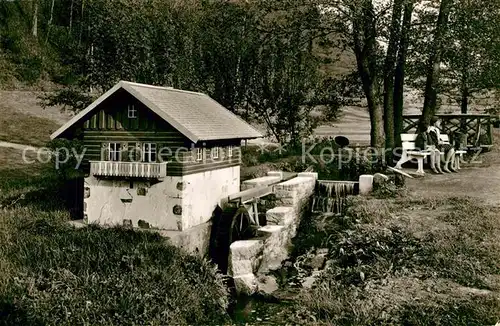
{"points": [[385, 253]]}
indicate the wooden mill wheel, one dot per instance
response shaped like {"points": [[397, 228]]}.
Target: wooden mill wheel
{"points": [[229, 225]]}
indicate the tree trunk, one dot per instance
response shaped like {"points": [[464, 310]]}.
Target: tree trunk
{"points": [[400, 72], [430, 96], [389, 72], [464, 87], [376, 118], [71, 16], [35, 18], [364, 46], [464, 103], [49, 24], [82, 25]]}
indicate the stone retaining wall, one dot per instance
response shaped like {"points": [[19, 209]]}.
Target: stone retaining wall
{"points": [[250, 258]]}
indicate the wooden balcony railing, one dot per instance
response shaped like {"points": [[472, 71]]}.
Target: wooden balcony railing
{"points": [[128, 169]]}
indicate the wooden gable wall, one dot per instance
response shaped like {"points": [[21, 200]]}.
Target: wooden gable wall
{"points": [[110, 123]]}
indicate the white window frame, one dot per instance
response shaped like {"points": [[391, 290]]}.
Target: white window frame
{"points": [[114, 152], [148, 149], [131, 111], [215, 152], [230, 151], [132, 152], [199, 154]]}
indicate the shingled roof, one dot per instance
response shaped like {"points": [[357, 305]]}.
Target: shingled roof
{"points": [[195, 115]]}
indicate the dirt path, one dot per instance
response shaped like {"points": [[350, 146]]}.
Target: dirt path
{"points": [[481, 182], [14, 145], [473, 180]]}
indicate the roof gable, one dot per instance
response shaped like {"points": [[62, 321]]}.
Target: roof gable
{"points": [[195, 115]]}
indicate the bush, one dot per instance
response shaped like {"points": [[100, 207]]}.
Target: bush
{"points": [[328, 167], [385, 253]]}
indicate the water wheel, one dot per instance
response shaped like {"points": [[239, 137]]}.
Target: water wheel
{"points": [[229, 225]]}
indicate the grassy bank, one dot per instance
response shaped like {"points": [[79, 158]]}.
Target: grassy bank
{"points": [[53, 273], [22, 128], [406, 261]]}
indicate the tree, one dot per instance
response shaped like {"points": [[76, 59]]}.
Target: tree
{"points": [[365, 47], [389, 72], [256, 60], [282, 89], [399, 74], [363, 26], [434, 66], [470, 59]]}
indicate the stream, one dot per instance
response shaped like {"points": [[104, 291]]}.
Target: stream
{"points": [[295, 273], [258, 310], [281, 307]]}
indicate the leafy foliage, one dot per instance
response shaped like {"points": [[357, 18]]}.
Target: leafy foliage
{"points": [[470, 50], [69, 98], [384, 253], [257, 60]]}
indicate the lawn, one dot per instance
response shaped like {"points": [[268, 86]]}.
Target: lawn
{"points": [[52, 273], [22, 128]]}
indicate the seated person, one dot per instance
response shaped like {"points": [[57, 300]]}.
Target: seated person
{"points": [[423, 143], [436, 146]]}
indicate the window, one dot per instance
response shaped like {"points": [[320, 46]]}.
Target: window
{"points": [[215, 152], [132, 152], [230, 151], [114, 152], [132, 111], [149, 152], [199, 154]]}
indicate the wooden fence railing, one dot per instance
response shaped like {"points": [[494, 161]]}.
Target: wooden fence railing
{"points": [[477, 127]]}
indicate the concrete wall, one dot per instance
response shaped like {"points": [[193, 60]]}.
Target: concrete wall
{"points": [[196, 240], [111, 202], [252, 257], [203, 191]]}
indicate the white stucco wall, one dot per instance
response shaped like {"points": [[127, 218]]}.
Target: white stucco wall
{"points": [[203, 191], [105, 205], [113, 201]]}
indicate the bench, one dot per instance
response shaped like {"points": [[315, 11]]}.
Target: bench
{"points": [[459, 154], [410, 152]]}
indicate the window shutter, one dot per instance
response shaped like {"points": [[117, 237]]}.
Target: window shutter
{"points": [[105, 152], [164, 153], [138, 152], [155, 153], [124, 152]]}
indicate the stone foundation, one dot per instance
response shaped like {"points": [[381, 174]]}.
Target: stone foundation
{"points": [[250, 258], [196, 240]]}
